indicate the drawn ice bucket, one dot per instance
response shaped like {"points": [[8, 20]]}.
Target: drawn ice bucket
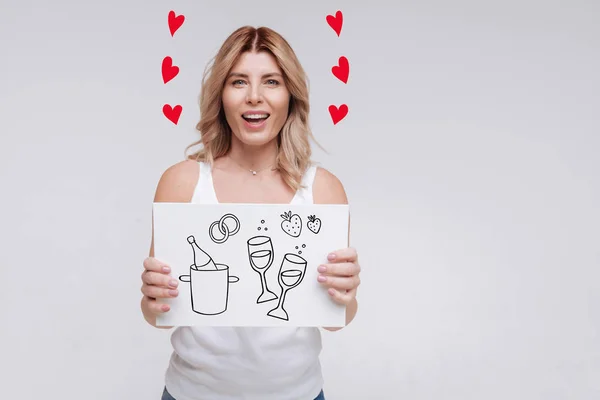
{"points": [[209, 288]]}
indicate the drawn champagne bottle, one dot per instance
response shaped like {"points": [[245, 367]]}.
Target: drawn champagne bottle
{"points": [[202, 261]]}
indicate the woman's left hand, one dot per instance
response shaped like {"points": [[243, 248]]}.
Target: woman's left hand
{"points": [[341, 275]]}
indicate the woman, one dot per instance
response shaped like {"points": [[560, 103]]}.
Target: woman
{"points": [[255, 149]]}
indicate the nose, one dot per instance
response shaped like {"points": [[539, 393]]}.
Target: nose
{"points": [[254, 95]]}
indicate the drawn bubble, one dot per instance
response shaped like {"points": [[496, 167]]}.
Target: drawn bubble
{"points": [[259, 228], [300, 252], [303, 246], [296, 247], [266, 229], [262, 221]]}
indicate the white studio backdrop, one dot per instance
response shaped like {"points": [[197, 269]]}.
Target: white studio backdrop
{"points": [[469, 154]]}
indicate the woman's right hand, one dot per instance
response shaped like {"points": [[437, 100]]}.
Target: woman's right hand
{"points": [[157, 283]]}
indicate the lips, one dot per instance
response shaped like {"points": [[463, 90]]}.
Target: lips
{"points": [[255, 117], [255, 120]]}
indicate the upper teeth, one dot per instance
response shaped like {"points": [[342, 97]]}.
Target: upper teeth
{"points": [[256, 115]]}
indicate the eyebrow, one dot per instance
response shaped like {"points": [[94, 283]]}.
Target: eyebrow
{"points": [[240, 75]]}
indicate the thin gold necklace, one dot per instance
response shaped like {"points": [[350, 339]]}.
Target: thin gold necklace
{"points": [[252, 171]]}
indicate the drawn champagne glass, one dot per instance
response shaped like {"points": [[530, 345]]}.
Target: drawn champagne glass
{"points": [[291, 273], [260, 252]]}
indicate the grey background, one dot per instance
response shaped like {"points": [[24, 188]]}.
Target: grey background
{"points": [[470, 157]]}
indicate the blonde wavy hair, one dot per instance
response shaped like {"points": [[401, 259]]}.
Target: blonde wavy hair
{"points": [[294, 151]]}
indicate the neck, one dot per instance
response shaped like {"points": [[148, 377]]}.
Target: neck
{"points": [[253, 158]]}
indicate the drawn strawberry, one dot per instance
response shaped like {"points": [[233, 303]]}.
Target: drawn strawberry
{"points": [[314, 224], [291, 224]]}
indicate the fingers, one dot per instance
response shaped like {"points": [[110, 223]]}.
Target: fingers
{"points": [[156, 292], [152, 264], [341, 275], [157, 284], [342, 297], [153, 306], [159, 279], [340, 269], [348, 254], [340, 282]]}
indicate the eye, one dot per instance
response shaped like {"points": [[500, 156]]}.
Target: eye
{"points": [[272, 82], [237, 82]]}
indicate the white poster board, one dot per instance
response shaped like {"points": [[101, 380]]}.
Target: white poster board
{"points": [[249, 264]]}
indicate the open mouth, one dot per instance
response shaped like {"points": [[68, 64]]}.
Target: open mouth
{"points": [[255, 119]]}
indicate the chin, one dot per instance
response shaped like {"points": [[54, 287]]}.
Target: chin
{"points": [[256, 138]]}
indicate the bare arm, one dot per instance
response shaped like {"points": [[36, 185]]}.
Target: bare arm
{"points": [[329, 190], [176, 185]]}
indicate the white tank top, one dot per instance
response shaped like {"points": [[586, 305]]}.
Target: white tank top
{"points": [[249, 363]]}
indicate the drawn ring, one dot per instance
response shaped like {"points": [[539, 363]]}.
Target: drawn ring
{"points": [[223, 228], [222, 223], [225, 234]]}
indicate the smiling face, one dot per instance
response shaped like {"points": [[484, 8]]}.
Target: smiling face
{"points": [[255, 98]]}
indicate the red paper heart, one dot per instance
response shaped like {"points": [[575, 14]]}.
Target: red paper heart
{"points": [[341, 70], [336, 22], [338, 114], [169, 71], [172, 113], [175, 22]]}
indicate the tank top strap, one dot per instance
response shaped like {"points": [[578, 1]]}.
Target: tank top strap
{"points": [[204, 191], [309, 176], [305, 193]]}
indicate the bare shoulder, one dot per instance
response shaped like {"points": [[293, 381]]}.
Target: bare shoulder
{"points": [[328, 189], [177, 183]]}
